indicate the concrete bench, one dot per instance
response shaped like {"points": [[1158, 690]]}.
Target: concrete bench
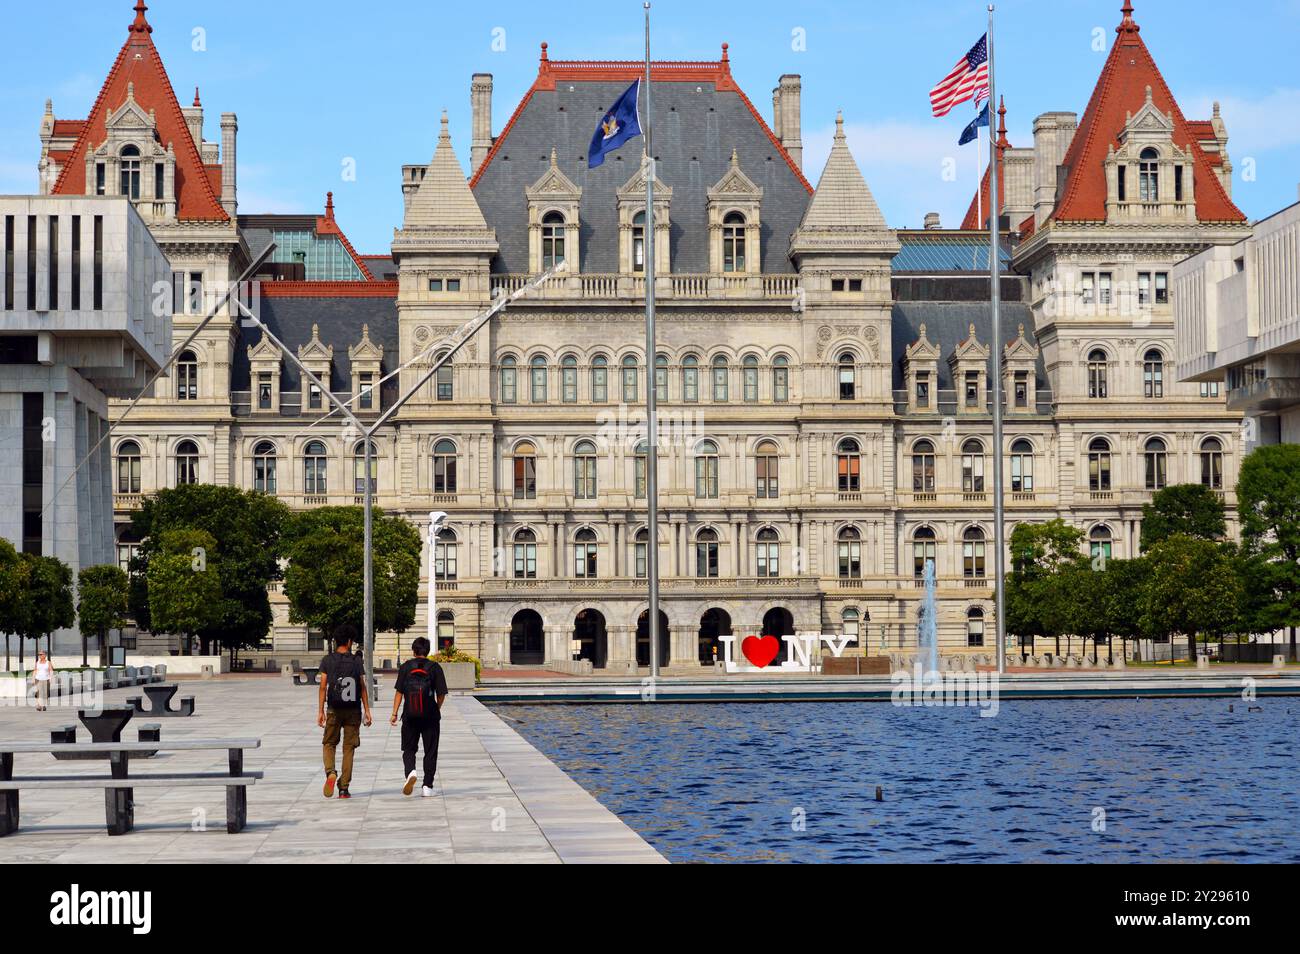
{"points": [[119, 787], [160, 702], [306, 676]]}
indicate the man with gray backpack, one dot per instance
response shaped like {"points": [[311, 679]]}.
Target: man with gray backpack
{"points": [[419, 694], [343, 687]]}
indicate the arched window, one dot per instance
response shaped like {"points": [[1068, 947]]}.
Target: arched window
{"points": [[733, 242], [264, 467], [639, 460], [630, 370], [766, 470], [974, 626], [1153, 374], [359, 468], [972, 467], [848, 466], [584, 554], [442, 381], [569, 379], [638, 242], [1100, 542], [847, 377], [706, 470], [923, 467], [128, 468], [781, 379], [749, 376], [849, 551], [972, 553], [661, 378], [584, 471], [537, 379], [1156, 459], [768, 552], [187, 463], [444, 555], [599, 379], [1022, 467], [923, 551], [525, 554], [509, 380], [553, 229], [1149, 175], [640, 555], [446, 629], [720, 371], [1212, 463], [850, 625], [1097, 373], [130, 166], [313, 468], [1099, 464], [690, 379], [706, 553], [187, 377], [444, 467], [525, 471]]}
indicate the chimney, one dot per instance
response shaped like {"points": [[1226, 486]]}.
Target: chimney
{"points": [[932, 220], [1053, 133], [480, 104], [788, 117], [229, 128]]}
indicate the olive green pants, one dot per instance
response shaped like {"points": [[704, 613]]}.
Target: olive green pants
{"points": [[345, 722]]}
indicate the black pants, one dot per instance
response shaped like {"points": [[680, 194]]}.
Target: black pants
{"points": [[415, 731]]}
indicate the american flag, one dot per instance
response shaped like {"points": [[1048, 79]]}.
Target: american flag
{"points": [[969, 79]]}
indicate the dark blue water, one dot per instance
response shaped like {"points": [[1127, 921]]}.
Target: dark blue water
{"points": [[1177, 780]]}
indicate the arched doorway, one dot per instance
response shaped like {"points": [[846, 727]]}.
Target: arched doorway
{"points": [[589, 631], [643, 639], [779, 622], [714, 623], [527, 639]]}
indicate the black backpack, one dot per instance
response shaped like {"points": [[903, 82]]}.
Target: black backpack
{"points": [[344, 688], [418, 690]]}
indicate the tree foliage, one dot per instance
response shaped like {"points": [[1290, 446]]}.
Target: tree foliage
{"points": [[1190, 509], [185, 584], [1268, 496], [101, 603], [45, 601], [1193, 590]]}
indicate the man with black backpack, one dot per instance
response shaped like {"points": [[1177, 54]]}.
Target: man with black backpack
{"points": [[421, 687], [343, 686]]}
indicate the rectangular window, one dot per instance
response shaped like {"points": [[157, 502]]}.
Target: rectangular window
{"points": [[33, 453], [365, 390], [453, 284], [690, 385], [313, 396], [855, 284], [1123, 185], [1209, 389], [1178, 183], [1022, 389], [972, 389], [1087, 287], [600, 384], [1144, 288], [158, 170], [75, 305], [97, 280], [837, 284], [99, 178], [923, 389], [31, 263], [1103, 287], [569, 385], [435, 284], [54, 262], [9, 263], [1162, 288], [264, 390]]}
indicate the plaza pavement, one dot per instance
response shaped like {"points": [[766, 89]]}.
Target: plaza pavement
{"points": [[497, 798]]}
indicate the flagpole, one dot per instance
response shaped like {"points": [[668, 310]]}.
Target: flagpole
{"points": [[652, 421], [995, 296]]}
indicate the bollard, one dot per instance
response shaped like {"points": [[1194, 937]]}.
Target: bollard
{"points": [[880, 794]]}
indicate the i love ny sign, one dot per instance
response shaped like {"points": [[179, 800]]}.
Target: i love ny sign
{"points": [[760, 652]]}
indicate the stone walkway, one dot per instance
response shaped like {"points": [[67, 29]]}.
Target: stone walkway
{"points": [[498, 798]]}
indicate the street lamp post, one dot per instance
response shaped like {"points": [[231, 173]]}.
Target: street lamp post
{"points": [[436, 518]]}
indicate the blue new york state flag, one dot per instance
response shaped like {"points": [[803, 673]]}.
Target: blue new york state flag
{"points": [[619, 124]]}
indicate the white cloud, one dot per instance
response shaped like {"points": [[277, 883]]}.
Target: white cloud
{"points": [[1255, 124]]}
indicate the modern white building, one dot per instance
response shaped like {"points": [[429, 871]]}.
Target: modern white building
{"points": [[78, 275], [1237, 313]]}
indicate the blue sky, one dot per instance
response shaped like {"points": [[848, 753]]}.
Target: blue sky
{"points": [[316, 84]]}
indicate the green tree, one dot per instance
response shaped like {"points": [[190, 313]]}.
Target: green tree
{"points": [[246, 528], [45, 604], [1193, 589], [1268, 501], [1035, 602], [1125, 597], [101, 605], [1190, 509], [185, 584], [324, 580], [13, 585]]}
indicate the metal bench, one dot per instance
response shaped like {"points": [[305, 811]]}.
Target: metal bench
{"points": [[119, 787], [160, 702]]}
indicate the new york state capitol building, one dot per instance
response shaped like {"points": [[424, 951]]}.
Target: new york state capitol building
{"points": [[823, 378]]}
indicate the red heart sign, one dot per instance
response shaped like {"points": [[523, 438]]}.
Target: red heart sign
{"points": [[760, 650]]}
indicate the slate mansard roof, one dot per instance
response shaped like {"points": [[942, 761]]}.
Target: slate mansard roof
{"points": [[698, 114]]}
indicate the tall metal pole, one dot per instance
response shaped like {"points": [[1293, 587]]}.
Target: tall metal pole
{"points": [[652, 420], [368, 625], [995, 298]]}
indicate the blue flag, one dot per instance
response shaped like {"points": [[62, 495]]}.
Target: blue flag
{"points": [[619, 124], [970, 132]]}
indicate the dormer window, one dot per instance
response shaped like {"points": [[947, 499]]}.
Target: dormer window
{"points": [[553, 229], [130, 172], [1149, 176], [733, 242], [638, 242]]}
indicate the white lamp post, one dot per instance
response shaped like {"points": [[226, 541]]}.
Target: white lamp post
{"points": [[436, 518]]}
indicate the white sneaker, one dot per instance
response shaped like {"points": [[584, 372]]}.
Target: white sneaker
{"points": [[410, 784], [426, 791]]}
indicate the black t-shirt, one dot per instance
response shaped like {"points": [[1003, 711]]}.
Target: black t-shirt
{"points": [[435, 673], [347, 665]]}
